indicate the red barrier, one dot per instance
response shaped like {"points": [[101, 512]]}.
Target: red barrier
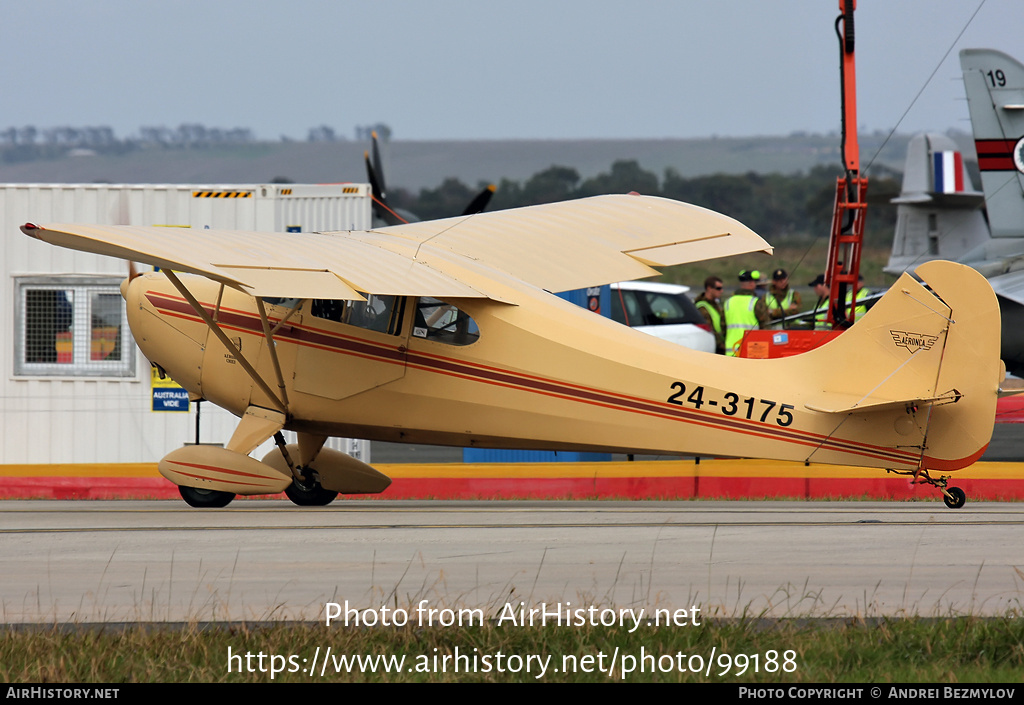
{"points": [[684, 479]]}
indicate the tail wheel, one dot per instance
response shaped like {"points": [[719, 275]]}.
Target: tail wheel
{"points": [[309, 493], [205, 499], [954, 497]]}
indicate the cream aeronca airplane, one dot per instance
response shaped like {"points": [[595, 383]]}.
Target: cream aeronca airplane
{"points": [[445, 332]]}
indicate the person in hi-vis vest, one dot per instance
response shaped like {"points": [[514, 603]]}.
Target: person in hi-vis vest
{"points": [[744, 311], [709, 304], [781, 299]]}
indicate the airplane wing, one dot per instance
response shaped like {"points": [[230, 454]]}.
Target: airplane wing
{"points": [[302, 265], [587, 242], [558, 247]]}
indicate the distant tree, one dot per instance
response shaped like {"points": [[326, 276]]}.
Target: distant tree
{"points": [[556, 183], [509, 194], [239, 135], [27, 135], [726, 193], [155, 135], [625, 176], [365, 132], [323, 133], [99, 138], [60, 136], [448, 199], [774, 205], [190, 134], [401, 199]]}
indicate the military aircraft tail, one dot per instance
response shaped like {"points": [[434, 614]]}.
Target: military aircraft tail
{"points": [[995, 96], [938, 213]]}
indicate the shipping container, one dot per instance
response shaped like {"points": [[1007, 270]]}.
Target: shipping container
{"points": [[76, 389]]}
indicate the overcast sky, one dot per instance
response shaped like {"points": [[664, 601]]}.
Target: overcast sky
{"points": [[454, 69]]}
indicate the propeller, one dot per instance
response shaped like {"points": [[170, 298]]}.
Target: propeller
{"points": [[379, 165], [480, 201], [382, 211], [375, 175]]}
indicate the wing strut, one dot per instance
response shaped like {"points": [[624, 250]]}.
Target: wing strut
{"points": [[272, 348], [287, 317], [222, 336]]}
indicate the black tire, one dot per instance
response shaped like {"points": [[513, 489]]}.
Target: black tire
{"points": [[956, 498], [309, 493], [205, 499]]}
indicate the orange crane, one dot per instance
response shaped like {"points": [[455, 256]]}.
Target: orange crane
{"points": [[847, 236], [842, 270]]}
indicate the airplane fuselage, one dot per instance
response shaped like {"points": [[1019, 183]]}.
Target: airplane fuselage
{"points": [[542, 374]]}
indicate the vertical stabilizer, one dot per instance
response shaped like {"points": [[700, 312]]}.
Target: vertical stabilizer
{"points": [[937, 214], [995, 96]]}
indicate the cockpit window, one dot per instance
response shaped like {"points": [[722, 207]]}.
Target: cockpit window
{"points": [[378, 313], [444, 323]]}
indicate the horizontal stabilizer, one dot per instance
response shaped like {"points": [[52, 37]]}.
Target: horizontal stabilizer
{"points": [[848, 403], [960, 199]]}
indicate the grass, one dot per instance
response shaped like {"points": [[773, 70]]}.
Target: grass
{"points": [[907, 650]]}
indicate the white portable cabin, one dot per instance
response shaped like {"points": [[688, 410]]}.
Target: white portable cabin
{"points": [[87, 395]]}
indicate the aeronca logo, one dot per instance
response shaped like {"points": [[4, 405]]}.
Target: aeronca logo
{"points": [[913, 341]]}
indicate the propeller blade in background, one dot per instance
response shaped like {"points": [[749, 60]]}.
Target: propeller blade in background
{"points": [[381, 209], [480, 201]]}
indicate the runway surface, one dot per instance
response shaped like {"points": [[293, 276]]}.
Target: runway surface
{"points": [[113, 561]]}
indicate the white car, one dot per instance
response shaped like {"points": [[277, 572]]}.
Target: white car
{"points": [[662, 310]]}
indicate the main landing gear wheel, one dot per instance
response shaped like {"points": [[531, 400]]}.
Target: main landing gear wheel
{"points": [[309, 493], [205, 499], [954, 498]]}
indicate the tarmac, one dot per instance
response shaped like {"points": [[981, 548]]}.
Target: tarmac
{"points": [[160, 561], [136, 560]]}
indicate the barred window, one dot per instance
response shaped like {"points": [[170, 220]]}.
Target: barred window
{"points": [[71, 327]]}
